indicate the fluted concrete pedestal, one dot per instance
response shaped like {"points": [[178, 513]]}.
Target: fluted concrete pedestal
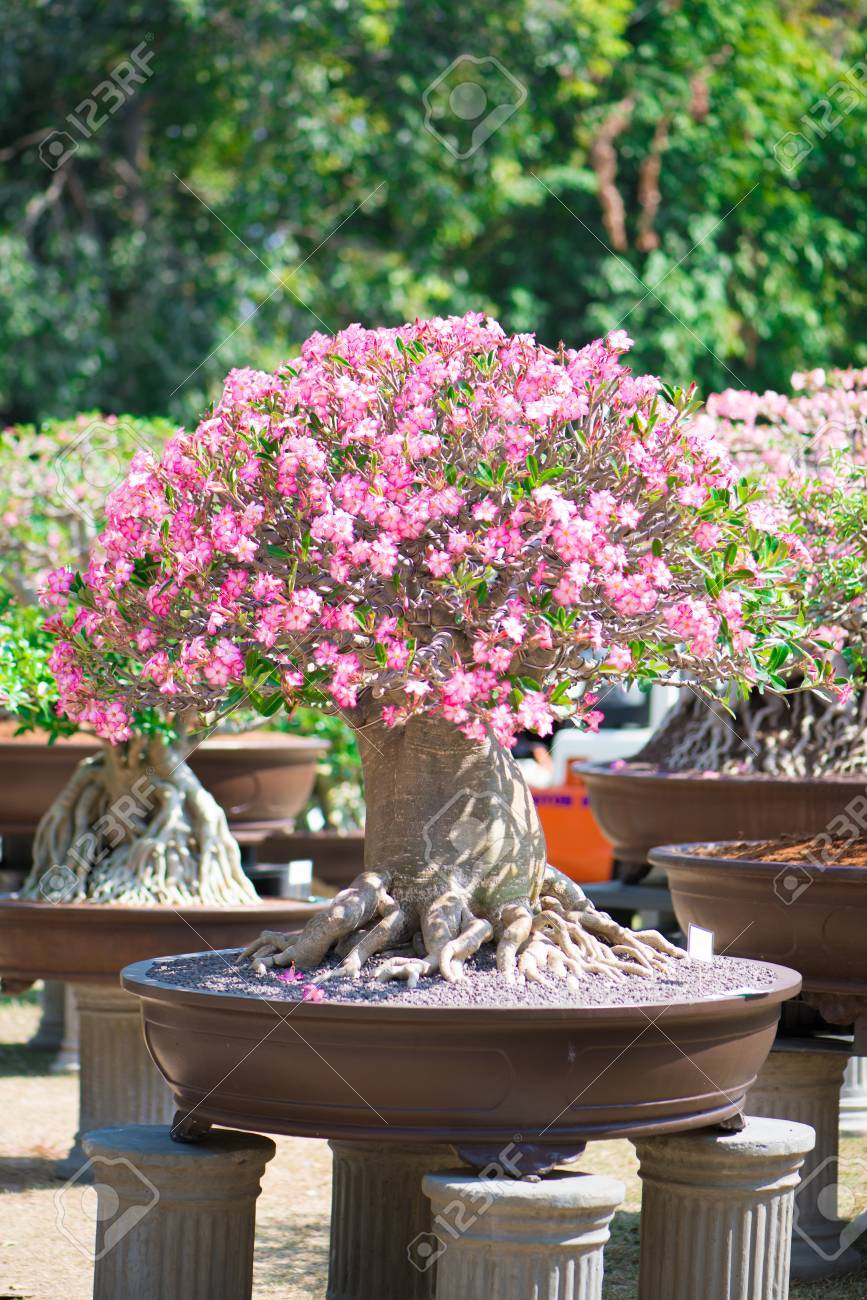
{"points": [[716, 1211], [174, 1222], [498, 1239], [853, 1098], [801, 1081], [66, 1061], [380, 1218], [119, 1083], [49, 1032]]}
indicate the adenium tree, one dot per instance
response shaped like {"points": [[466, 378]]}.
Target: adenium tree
{"points": [[134, 824], [447, 534], [810, 449]]}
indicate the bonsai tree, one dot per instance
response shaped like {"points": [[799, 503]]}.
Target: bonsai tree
{"points": [[134, 825], [811, 451], [447, 534]]}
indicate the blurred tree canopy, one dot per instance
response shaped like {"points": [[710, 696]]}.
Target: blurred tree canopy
{"points": [[686, 168]]}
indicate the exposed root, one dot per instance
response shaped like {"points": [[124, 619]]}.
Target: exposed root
{"points": [[797, 736], [135, 826], [560, 937]]}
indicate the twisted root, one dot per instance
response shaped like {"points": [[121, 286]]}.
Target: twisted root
{"points": [[561, 936]]}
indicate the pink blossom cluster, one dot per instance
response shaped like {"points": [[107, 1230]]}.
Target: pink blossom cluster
{"points": [[441, 518]]}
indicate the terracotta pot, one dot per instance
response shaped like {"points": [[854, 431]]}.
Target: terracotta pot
{"points": [[337, 859], [92, 942], [256, 777], [807, 915], [469, 1075], [638, 810]]}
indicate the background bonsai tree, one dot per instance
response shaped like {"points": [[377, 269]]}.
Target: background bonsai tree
{"points": [[447, 534], [134, 824], [811, 451]]}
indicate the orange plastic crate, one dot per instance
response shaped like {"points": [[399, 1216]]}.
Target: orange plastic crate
{"points": [[576, 845]]}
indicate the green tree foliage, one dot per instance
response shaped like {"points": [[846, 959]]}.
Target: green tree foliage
{"points": [[636, 181]]}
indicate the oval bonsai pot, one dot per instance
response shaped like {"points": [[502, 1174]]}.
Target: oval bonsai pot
{"points": [[638, 809], [92, 942], [806, 914], [471, 1075]]}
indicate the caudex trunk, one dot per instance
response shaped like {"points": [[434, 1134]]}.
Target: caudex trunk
{"points": [[454, 859], [135, 825]]}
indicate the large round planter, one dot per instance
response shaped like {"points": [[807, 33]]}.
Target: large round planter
{"points": [[468, 1076], [639, 809], [87, 944], [807, 915], [258, 776], [92, 942]]}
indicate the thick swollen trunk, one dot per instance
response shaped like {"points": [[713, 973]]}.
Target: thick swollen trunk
{"points": [[800, 735], [455, 858], [134, 825]]}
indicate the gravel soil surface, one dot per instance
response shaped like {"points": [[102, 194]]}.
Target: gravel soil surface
{"points": [[482, 986], [39, 1262]]}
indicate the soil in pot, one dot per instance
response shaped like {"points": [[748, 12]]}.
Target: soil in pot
{"points": [[482, 984], [842, 851]]}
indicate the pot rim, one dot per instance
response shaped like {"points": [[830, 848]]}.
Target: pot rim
{"points": [[681, 856], [603, 770], [10, 904], [135, 979]]}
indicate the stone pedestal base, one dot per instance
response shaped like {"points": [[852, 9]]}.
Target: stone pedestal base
{"points": [[511, 1240], [119, 1082], [174, 1221], [66, 1061], [49, 1034], [716, 1211], [378, 1212], [801, 1081], [853, 1098]]}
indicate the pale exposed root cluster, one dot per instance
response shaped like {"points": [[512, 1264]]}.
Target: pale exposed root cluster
{"points": [[561, 936], [137, 827], [798, 736]]}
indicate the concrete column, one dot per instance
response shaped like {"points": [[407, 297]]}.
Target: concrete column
{"points": [[174, 1222], [379, 1216], [853, 1098], [511, 1240], [716, 1211], [801, 1081], [119, 1083], [66, 1061], [49, 1033]]}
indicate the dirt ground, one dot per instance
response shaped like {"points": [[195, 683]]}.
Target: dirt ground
{"points": [[41, 1261]]}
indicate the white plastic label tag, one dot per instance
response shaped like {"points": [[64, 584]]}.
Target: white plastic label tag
{"points": [[301, 871], [699, 943]]}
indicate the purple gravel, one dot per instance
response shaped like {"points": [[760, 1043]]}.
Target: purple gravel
{"points": [[482, 986]]}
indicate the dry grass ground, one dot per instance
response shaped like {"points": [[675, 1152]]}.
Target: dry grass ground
{"points": [[37, 1122]]}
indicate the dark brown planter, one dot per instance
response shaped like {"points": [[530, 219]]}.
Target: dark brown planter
{"points": [[337, 859], [258, 776], [809, 916], [637, 810], [547, 1077], [32, 775], [92, 942]]}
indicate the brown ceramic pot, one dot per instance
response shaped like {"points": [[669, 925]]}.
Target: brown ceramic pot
{"points": [[337, 859], [471, 1075], [637, 810], [805, 914], [92, 942]]}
